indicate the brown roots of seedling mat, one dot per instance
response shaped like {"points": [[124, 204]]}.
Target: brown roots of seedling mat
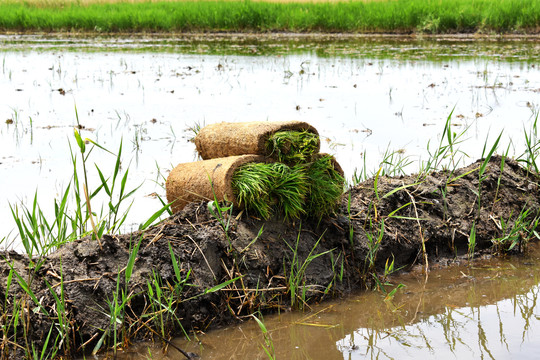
{"points": [[229, 139], [202, 180]]}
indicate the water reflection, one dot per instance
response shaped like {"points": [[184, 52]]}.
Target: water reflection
{"points": [[488, 311], [502, 330]]}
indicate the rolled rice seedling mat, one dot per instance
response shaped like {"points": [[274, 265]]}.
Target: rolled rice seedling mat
{"points": [[200, 180], [229, 139]]}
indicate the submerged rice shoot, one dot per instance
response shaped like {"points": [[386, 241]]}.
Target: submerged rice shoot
{"points": [[326, 186], [292, 147]]}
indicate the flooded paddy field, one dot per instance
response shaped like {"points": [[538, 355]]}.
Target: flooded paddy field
{"points": [[367, 98]]}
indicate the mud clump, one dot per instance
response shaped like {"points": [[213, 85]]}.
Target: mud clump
{"points": [[219, 275]]}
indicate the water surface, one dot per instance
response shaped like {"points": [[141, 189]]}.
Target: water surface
{"points": [[366, 97], [486, 310]]}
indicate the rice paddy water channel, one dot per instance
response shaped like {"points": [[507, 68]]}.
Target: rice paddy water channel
{"points": [[370, 99]]}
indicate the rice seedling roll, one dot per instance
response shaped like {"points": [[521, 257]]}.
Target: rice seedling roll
{"points": [[200, 180], [230, 139]]}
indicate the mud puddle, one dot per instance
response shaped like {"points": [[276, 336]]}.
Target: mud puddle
{"points": [[487, 310], [366, 97]]}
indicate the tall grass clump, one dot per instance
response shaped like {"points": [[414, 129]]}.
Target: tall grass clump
{"points": [[292, 147]]}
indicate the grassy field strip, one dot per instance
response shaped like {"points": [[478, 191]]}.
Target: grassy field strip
{"points": [[46, 3], [386, 16]]}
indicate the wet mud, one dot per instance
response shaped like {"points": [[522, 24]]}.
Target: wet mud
{"points": [[414, 222]]}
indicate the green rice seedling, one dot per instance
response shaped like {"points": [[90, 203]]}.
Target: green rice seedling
{"points": [[116, 332], [376, 184], [326, 186], [154, 291], [394, 163], [351, 227], [253, 184], [115, 313], [62, 323], [501, 169], [164, 300], [266, 189], [374, 243], [44, 354], [180, 282], [532, 148], [296, 278], [40, 235], [194, 130], [471, 241], [222, 213], [290, 190], [82, 148], [483, 166], [268, 346], [292, 147], [519, 233], [114, 218], [446, 154], [360, 176], [338, 273]]}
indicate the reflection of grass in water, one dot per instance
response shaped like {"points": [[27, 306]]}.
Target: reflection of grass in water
{"points": [[292, 147], [405, 16]]}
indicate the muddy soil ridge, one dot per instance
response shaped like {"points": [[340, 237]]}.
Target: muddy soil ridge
{"points": [[224, 275]]}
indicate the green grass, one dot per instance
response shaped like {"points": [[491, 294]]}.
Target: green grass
{"points": [[405, 16]]}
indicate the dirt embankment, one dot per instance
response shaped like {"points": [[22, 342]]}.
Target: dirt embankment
{"points": [[381, 219]]}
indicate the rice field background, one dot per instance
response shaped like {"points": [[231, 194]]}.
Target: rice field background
{"points": [[385, 16]]}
